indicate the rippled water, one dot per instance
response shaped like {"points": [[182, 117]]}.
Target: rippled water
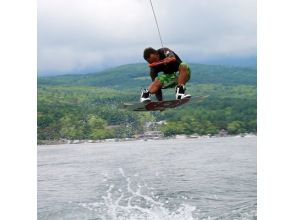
{"points": [[213, 178]]}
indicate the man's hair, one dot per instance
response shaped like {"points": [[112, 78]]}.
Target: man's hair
{"points": [[148, 51]]}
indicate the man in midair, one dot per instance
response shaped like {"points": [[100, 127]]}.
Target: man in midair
{"points": [[174, 73]]}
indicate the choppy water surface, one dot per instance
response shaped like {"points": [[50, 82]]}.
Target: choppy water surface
{"points": [[213, 178]]}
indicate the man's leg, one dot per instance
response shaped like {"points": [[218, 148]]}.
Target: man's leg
{"points": [[154, 88], [184, 76]]}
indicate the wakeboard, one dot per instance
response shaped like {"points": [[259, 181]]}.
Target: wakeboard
{"points": [[160, 105]]}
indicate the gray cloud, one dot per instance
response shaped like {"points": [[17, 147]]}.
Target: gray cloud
{"points": [[77, 36]]}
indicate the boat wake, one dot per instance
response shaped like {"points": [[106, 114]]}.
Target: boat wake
{"points": [[134, 203], [125, 198]]}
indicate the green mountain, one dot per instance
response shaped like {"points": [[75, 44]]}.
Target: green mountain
{"points": [[85, 106], [137, 76]]}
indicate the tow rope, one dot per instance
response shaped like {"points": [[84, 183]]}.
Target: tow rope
{"points": [[156, 24]]}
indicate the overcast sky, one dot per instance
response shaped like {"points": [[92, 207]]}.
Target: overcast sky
{"points": [[82, 36]]}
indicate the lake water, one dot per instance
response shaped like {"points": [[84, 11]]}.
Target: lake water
{"points": [[175, 179]]}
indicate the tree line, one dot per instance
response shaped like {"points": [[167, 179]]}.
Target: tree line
{"points": [[85, 112]]}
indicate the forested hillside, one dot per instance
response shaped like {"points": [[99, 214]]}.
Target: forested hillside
{"points": [[85, 106]]}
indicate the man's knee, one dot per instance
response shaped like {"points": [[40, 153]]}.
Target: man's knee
{"points": [[183, 68], [184, 71], [155, 86]]}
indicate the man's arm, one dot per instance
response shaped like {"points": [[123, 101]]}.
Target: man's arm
{"points": [[153, 74], [169, 57]]}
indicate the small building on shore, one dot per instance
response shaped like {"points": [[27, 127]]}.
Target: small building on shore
{"points": [[152, 135]]}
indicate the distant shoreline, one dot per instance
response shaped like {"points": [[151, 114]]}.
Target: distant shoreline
{"points": [[176, 137]]}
